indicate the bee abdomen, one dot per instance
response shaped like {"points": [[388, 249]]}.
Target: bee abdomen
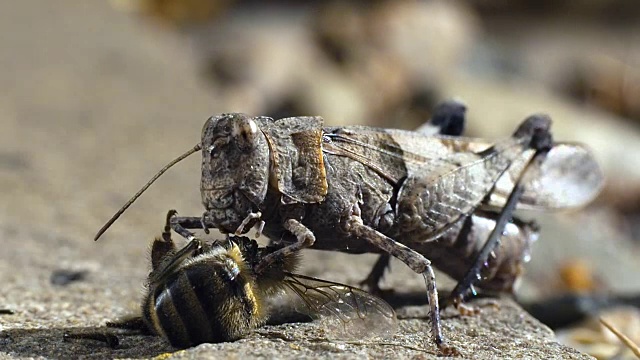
{"points": [[196, 306]]}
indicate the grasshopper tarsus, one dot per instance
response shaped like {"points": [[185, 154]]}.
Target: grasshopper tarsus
{"points": [[203, 224], [448, 350]]}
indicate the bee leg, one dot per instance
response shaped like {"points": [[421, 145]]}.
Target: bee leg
{"points": [[168, 265], [416, 262], [164, 246], [372, 281], [305, 240], [134, 323], [260, 228], [110, 339]]}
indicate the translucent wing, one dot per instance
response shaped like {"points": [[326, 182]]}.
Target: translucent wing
{"points": [[451, 176], [568, 177], [395, 154], [345, 312]]}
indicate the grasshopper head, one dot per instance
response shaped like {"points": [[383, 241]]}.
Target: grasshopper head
{"points": [[235, 169]]}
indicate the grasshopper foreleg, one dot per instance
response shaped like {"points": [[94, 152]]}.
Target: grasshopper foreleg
{"points": [[180, 224], [305, 240], [247, 220]]}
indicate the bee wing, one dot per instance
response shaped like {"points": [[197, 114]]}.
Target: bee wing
{"points": [[345, 312], [568, 177]]}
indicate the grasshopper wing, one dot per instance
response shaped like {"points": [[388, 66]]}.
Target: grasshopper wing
{"points": [[568, 177], [450, 176]]}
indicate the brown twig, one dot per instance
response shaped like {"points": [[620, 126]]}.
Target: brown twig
{"points": [[625, 340]]}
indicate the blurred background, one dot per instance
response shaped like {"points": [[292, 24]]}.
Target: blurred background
{"points": [[97, 96]]}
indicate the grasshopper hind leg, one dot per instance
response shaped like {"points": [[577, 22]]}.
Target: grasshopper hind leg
{"points": [[305, 240], [449, 117], [541, 141], [465, 285]]}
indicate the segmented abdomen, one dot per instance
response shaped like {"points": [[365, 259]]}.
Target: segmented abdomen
{"points": [[189, 308]]}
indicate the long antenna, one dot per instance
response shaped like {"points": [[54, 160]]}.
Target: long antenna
{"points": [[115, 217]]}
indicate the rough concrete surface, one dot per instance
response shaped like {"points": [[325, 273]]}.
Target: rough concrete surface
{"points": [[92, 103]]}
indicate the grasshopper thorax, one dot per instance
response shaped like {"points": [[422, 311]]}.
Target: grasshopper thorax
{"points": [[235, 169]]}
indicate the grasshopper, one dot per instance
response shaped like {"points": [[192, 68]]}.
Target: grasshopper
{"points": [[416, 196]]}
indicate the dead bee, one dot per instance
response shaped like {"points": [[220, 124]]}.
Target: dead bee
{"points": [[360, 189], [207, 293]]}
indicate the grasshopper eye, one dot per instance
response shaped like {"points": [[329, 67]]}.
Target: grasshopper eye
{"points": [[244, 133], [245, 128]]}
